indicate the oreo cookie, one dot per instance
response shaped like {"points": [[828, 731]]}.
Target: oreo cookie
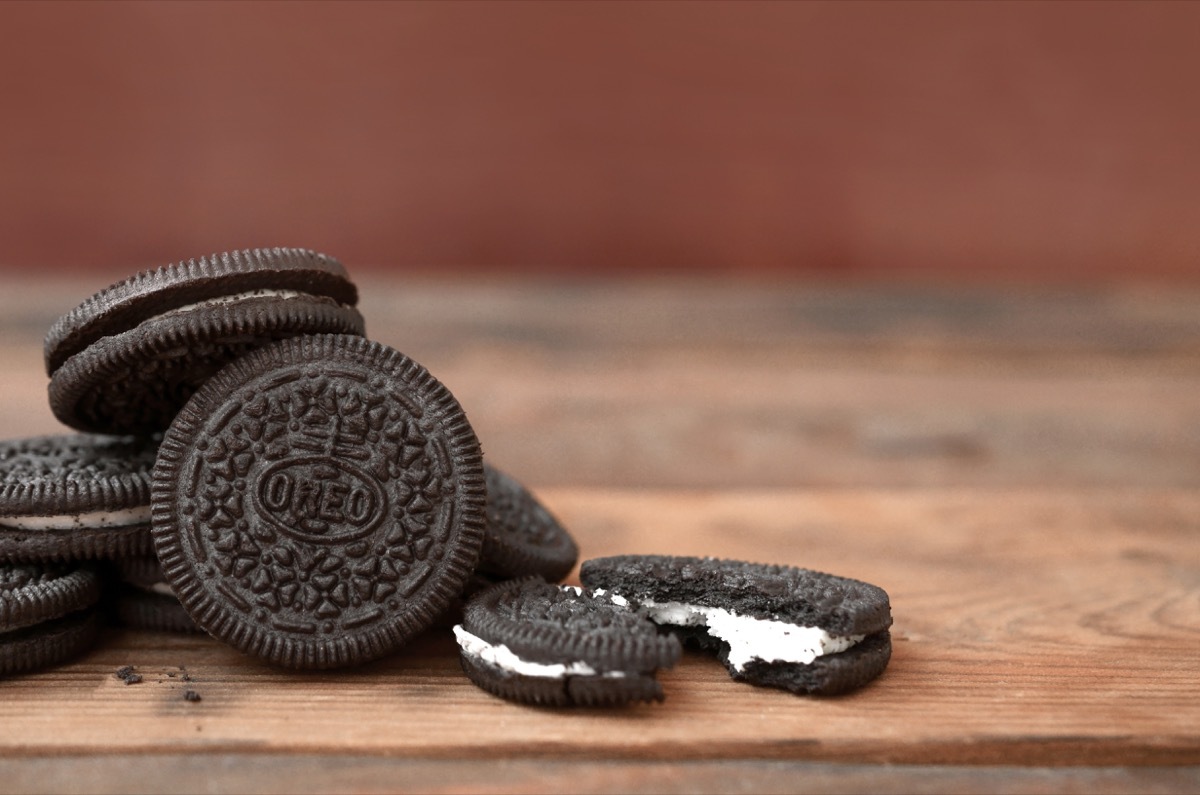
{"points": [[777, 626], [126, 359], [538, 643], [47, 614], [318, 502], [75, 496], [523, 538]]}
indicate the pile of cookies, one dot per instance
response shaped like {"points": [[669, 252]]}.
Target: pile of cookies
{"points": [[250, 465]]}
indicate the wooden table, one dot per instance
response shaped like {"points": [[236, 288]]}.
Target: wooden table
{"points": [[1018, 468]]}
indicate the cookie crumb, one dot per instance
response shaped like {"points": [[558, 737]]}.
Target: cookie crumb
{"points": [[127, 675], [191, 695]]}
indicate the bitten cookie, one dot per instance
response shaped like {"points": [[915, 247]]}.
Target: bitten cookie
{"points": [[538, 643], [778, 626], [127, 359], [75, 496], [319, 502]]}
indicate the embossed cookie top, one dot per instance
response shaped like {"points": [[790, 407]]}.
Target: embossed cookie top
{"points": [[73, 473], [319, 502], [123, 305]]}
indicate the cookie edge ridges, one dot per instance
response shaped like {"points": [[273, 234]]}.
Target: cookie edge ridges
{"points": [[126, 303], [345, 651]]}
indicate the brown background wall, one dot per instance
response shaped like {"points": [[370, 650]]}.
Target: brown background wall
{"points": [[1022, 140]]}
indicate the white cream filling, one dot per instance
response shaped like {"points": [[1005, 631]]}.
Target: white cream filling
{"points": [[94, 519], [750, 638], [160, 588], [503, 657]]}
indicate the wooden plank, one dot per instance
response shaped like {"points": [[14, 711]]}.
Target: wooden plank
{"points": [[219, 773], [1033, 627], [1017, 468]]}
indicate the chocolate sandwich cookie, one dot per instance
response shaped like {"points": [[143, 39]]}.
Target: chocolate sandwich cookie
{"points": [[47, 614], [522, 538], [75, 496], [539, 643], [318, 502], [126, 359], [779, 626]]}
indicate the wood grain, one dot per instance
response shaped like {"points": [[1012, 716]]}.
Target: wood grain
{"points": [[1039, 627], [1036, 523]]}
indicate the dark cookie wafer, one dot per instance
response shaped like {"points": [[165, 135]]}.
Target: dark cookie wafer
{"points": [[48, 643], [829, 675], [538, 643], [128, 358], [454, 611], [319, 502], [522, 538], [75, 496], [31, 593], [780, 626], [144, 295]]}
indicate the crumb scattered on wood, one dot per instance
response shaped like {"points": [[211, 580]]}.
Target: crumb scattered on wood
{"points": [[127, 675], [191, 695]]}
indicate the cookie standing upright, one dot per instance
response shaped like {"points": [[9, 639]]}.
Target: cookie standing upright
{"points": [[779, 626], [319, 502], [538, 643], [129, 357], [75, 496]]}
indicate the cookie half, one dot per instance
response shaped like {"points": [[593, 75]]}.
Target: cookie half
{"points": [[778, 626], [319, 502], [75, 496], [127, 359], [538, 643], [523, 538]]}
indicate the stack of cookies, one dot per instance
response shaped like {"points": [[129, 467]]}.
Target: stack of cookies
{"points": [[248, 464]]}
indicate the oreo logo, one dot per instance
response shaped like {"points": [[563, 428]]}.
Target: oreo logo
{"points": [[319, 500]]}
